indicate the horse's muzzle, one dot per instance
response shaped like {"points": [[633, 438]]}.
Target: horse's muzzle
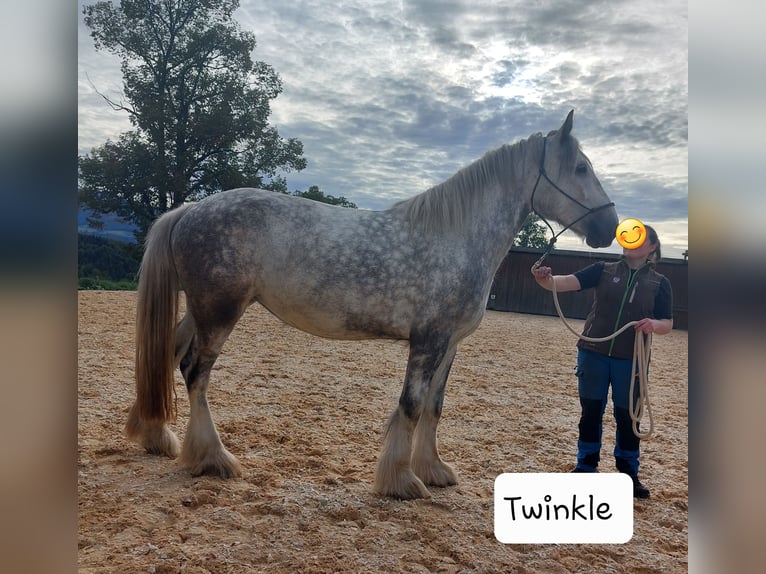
{"points": [[600, 240]]}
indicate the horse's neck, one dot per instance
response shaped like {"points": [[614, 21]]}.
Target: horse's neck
{"points": [[499, 236], [507, 198], [486, 202]]}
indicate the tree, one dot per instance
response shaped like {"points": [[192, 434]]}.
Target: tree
{"points": [[106, 259], [316, 194], [532, 234], [198, 104]]}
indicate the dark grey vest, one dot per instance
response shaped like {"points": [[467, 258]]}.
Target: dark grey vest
{"points": [[618, 299]]}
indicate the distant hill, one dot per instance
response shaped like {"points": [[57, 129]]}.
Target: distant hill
{"points": [[106, 261], [114, 227]]}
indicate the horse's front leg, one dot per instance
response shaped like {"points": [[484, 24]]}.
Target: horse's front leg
{"points": [[394, 476], [426, 463]]}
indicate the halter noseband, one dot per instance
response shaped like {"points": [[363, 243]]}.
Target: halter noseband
{"points": [[589, 210]]}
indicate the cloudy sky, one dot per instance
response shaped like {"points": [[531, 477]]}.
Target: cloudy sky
{"points": [[390, 98]]}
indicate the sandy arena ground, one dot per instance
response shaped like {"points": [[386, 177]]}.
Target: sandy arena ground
{"points": [[305, 416]]}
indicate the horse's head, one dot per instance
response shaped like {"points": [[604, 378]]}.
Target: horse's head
{"points": [[567, 190]]}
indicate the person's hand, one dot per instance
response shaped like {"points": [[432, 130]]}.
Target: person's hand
{"points": [[542, 274], [646, 326]]}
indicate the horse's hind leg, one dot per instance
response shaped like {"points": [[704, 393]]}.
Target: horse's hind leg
{"points": [[155, 436], [426, 463], [184, 335], [203, 452], [394, 476]]}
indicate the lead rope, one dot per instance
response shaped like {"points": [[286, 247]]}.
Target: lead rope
{"points": [[641, 351]]}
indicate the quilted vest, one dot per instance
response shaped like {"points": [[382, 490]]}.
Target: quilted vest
{"points": [[620, 297]]}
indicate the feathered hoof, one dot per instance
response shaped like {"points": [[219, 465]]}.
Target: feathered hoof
{"points": [[405, 486], [166, 444], [436, 473], [154, 436], [220, 463]]}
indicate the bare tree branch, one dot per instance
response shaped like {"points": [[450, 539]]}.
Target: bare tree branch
{"points": [[114, 105]]}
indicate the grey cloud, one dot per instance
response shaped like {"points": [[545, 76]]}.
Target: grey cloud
{"points": [[435, 12], [448, 41], [507, 72], [381, 118]]}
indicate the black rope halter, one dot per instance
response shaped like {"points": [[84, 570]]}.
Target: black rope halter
{"points": [[589, 210]]}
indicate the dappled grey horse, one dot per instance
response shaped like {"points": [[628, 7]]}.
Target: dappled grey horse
{"points": [[420, 271]]}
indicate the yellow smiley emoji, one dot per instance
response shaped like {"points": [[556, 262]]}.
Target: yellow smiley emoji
{"points": [[630, 233]]}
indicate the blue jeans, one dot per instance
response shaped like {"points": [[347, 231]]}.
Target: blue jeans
{"points": [[595, 372]]}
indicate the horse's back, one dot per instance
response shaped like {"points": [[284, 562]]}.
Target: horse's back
{"points": [[248, 231], [334, 272], [315, 266]]}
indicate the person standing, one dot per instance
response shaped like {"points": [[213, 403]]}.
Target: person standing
{"points": [[626, 290]]}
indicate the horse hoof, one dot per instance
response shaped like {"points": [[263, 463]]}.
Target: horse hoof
{"points": [[223, 464], [160, 441], [436, 474], [406, 487], [212, 469]]}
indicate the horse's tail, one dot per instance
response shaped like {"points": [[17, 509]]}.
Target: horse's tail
{"points": [[156, 316]]}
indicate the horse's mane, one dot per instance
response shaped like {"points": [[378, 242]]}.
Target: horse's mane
{"points": [[448, 206]]}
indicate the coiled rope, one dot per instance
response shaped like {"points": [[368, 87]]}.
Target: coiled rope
{"points": [[639, 370]]}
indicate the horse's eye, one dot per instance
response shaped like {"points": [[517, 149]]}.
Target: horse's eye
{"points": [[581, 168]]}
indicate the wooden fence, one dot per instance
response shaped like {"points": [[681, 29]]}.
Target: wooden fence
{"points": [[514, 288]]}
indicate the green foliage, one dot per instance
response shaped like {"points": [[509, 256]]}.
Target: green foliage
{"points": [[198, 103], [316, 194], [532, 233], [106, 263], [91, 284]]}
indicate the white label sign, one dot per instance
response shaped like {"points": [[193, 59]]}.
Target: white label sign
{"points": [[563, 508]]}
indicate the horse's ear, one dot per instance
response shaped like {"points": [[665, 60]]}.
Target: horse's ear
{"points": [[566, 129]]}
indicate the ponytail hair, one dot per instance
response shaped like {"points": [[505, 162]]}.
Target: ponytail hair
{"points": [[651, 236]]}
